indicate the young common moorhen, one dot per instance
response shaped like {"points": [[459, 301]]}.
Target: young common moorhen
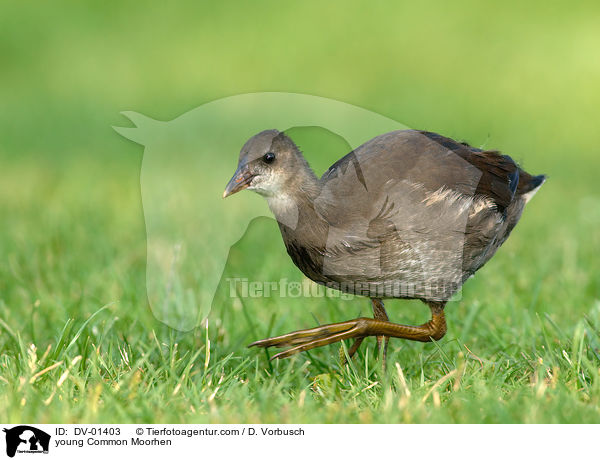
{"points": [[409, 214]]}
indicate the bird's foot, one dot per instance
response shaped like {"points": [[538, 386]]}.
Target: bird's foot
{"points": [[319, 336], [358, 329]]}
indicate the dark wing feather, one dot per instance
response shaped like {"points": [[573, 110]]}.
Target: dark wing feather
{"points": [[500, 174]]}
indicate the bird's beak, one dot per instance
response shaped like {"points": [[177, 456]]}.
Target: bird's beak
{"points": [[240, 180]]}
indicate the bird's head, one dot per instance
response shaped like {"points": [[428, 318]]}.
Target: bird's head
{"points": [[270, 164]]}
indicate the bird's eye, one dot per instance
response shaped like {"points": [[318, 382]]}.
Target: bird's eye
{"points": [[269, 157]]}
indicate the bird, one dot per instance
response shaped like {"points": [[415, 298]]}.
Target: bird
{"points": [[409, 214]]}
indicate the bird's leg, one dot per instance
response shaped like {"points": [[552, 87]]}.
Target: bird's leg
{"points": [[358, 328], [380, 314]]}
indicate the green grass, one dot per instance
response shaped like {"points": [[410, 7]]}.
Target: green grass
{"points": [[78, 341]]}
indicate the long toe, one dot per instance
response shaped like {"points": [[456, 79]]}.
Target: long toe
{"points": [[349, 334], [355, 346], [305, 335]]}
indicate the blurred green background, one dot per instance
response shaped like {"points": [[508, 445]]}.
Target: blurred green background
{"points": [[521, 77]]}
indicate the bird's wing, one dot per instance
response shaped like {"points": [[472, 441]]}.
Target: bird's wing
{"points": [[393, 164], [499, 173], [427, 159], [404, 197]]}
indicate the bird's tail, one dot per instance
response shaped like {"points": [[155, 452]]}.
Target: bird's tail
{"points": [[529, 185]]}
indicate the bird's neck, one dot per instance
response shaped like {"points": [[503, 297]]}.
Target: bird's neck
{"points": [[293, 207]]}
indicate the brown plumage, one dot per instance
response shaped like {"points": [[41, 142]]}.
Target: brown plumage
{"points": [[408, 214]]}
